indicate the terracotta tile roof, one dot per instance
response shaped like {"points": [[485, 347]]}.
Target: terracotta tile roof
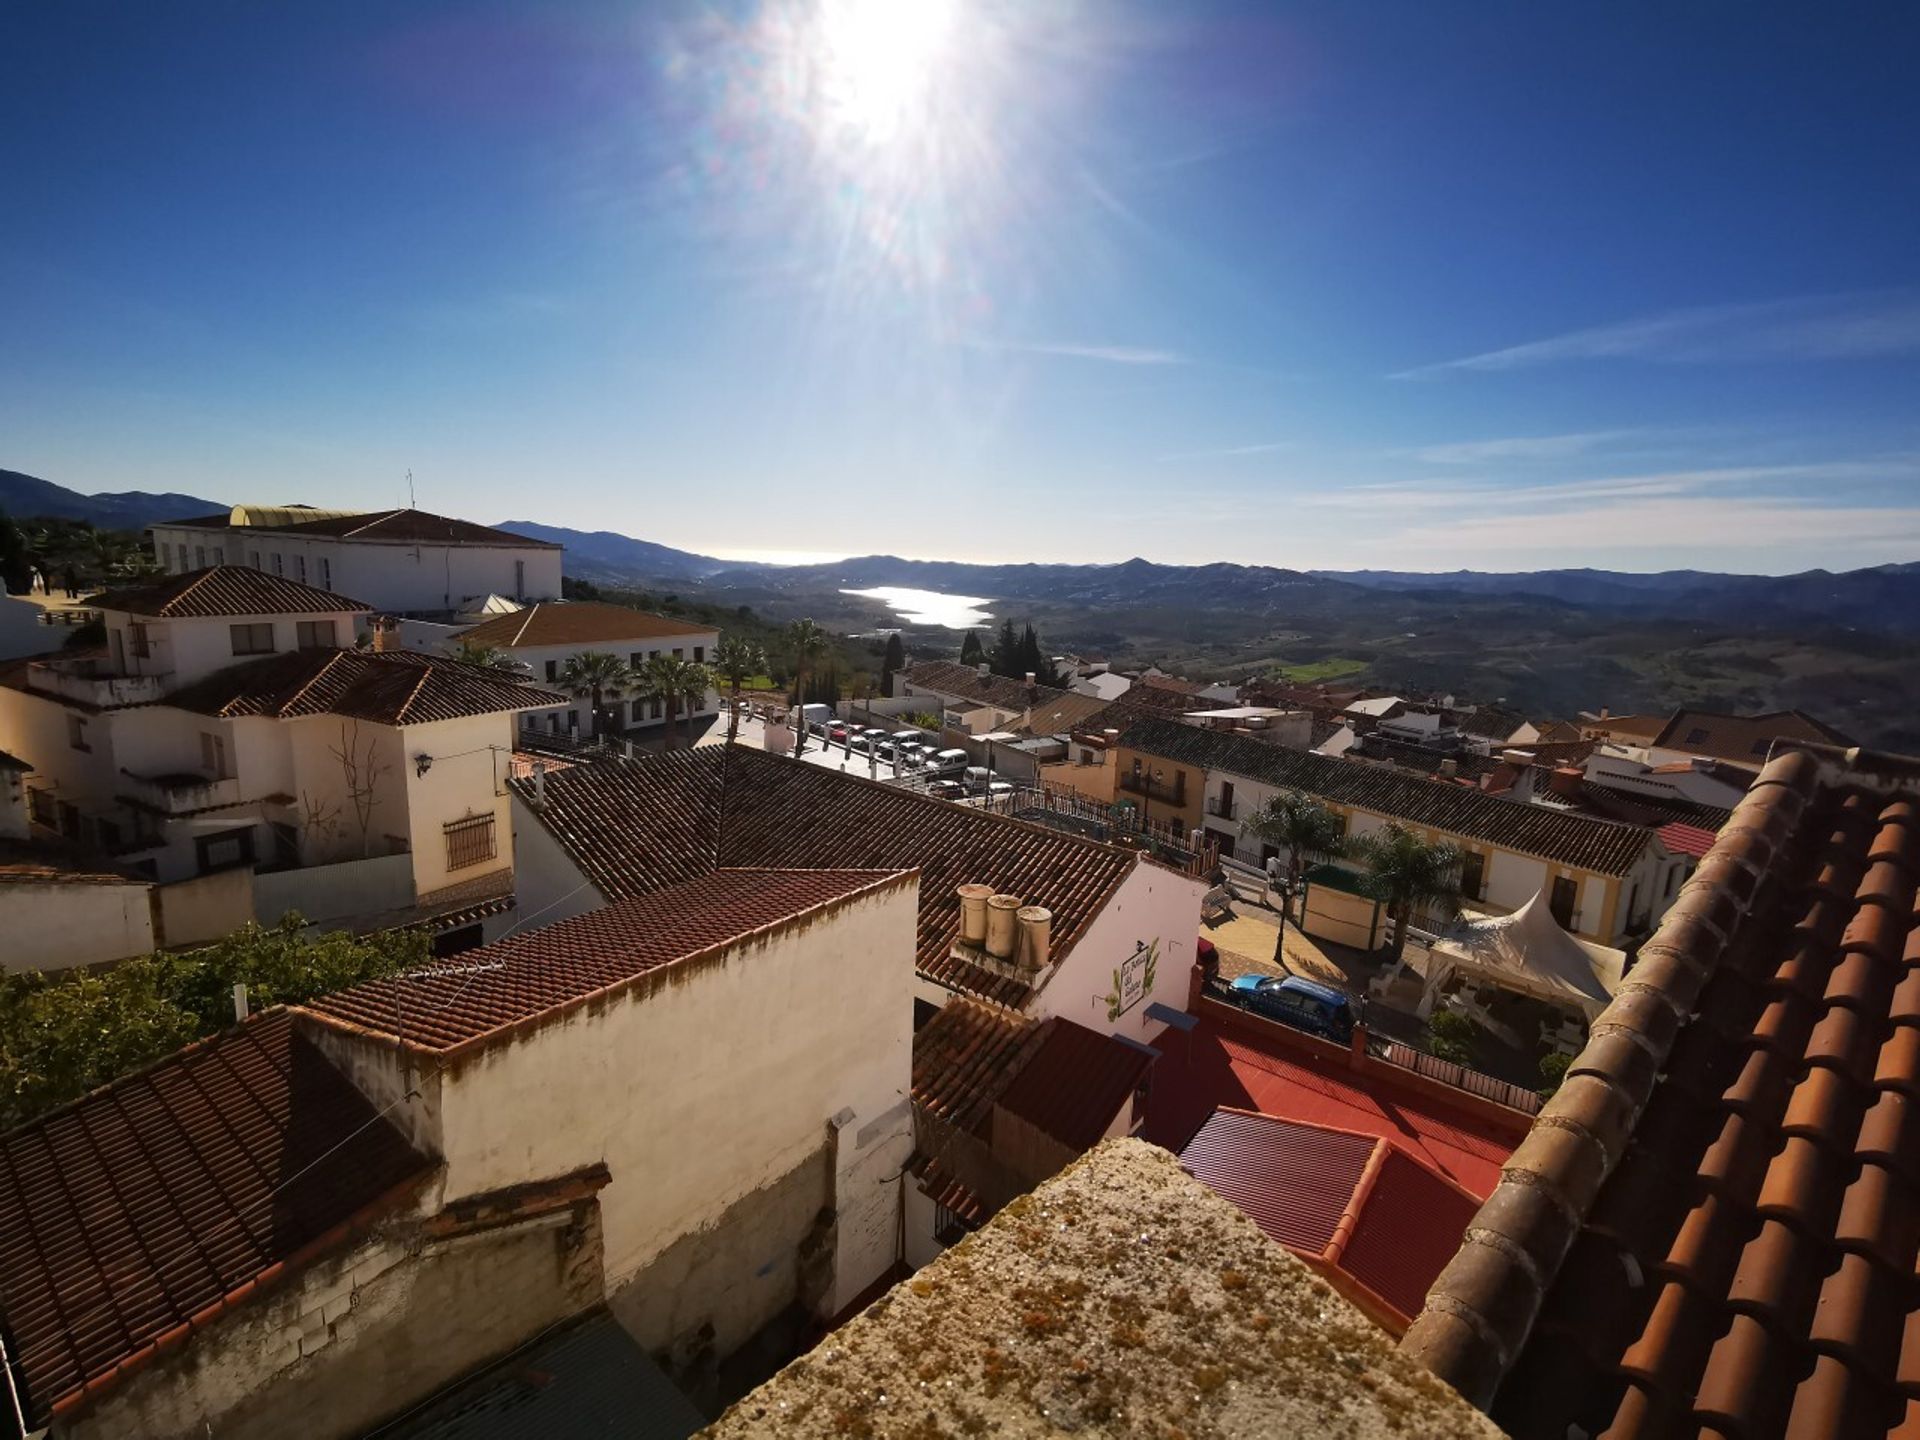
{"points": [[1075, 1082], [57, 862], [400, 526], [221, 590], [150, 1202], [1489, 722], [963, 682], [635, 825], [393, 687], [1744, 739], [499, 989], [1629, 729], [1351, 1202], [1236, 1064], [1686, 839], [577, 622], [966, 1055], [1713, 1226], [1066, 714], [1605, 846]]}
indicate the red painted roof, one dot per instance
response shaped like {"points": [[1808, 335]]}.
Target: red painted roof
{"points": [[1075, 1083], [1356, 1202], [1212, 1067], [1686, 839]]}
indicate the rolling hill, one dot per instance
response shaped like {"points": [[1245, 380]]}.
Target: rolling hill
{"points": [[26, 496]]}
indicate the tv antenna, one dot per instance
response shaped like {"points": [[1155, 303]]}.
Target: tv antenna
{"points": [[410, 504]]}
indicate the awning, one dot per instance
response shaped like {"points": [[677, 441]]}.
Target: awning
{"points": [[1529, 953]]}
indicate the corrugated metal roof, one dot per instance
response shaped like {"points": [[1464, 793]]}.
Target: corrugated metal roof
{"points": [[1294, 1181], [590, 1379]]}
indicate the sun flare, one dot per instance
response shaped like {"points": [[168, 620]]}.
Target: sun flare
{"points": [[879, 63]]}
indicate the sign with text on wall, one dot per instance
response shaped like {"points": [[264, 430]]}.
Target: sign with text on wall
{"points": [[1133, 979]]}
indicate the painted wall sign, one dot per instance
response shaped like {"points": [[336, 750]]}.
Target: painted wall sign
{"points": [[1133, 980]]}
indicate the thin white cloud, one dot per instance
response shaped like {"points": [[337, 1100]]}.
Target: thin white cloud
{"points": [[1107, 354], [1859, 326], [1232, 451], [1518, 447], [1676, 524]]}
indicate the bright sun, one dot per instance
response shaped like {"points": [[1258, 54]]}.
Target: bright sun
{"points": [[879, 62]]}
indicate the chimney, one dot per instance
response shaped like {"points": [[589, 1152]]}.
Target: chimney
{"points": [[386, 634], [1036, 928], [973, 913], [1518, 757], [1566, 781], [1603, 712], [982, 669], [1002, 926], [539, 784], [1450, 767]]}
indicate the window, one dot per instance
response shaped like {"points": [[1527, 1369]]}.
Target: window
{"points": [[519, 579], [77, 732], [326, 573], [678, 653], [252, 639], [253, 558], [181, 552], [279, 564], [228, 850], [219, 555], [948, 1228], [1566, 890], [653, 654], [213, 755], [636, 710], [137, 639], [300, 568], [317, 635], [199, 557], [637, 659], [1473, 875], [658, 709], [469, 842], [553, 669], [69, 820], [699, 654]]}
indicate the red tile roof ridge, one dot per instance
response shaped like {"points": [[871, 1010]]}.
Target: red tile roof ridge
{"points": [[318, 1011], [1481, 1310]]}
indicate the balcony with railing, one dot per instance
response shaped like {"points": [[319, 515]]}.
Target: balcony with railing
{"points": [[1223, 807], [1154, 788], [94, 681]]}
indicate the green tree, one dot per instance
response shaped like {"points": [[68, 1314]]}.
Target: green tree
{"points": [[894, 659], [1553, 1073], [1006, 651], [808, 644], [1453, 1037], [597, 677], [62, 1035], [489, 657], [1405, 873], [16, 569], [972, 652], [1303, 828], [737, 659]]}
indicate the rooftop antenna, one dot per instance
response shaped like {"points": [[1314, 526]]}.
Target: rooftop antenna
{"points": [[410, 504]]}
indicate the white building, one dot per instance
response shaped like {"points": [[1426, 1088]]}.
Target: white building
{"points": [[542, 638], [229, 746], [403, 562], [689, 1108]]}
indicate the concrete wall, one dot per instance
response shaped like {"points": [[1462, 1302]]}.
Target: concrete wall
{"points": [[385, 574], [548, 886], [467, 778], [331, 892], [1154, 906], [816, 1020], [205, 907], [21, 632], [185, 650], [361, 1336], [56, 927]]}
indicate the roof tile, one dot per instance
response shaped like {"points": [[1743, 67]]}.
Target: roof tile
{"points": [[221, 590], [577, 622], [392, 687]]}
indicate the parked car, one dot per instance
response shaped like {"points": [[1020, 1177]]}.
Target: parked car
{"points": [[949, 759], [946, 790], [997, 788], [975, 777], [1304, 1004], [837, 732]]}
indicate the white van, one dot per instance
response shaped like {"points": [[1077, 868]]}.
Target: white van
{"points": [[949, 760], [816, 718], [976, 778]]}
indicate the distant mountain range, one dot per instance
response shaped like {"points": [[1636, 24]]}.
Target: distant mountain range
{"points": [[27, 496]]}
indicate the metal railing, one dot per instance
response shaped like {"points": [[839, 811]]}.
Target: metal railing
{"points": [[1473, 1082], [1222, 806]]}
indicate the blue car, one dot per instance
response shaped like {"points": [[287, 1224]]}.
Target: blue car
{"points": [[1317, 1009]]}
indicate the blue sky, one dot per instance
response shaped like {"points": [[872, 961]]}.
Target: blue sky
{"points": [[1402, 285]]}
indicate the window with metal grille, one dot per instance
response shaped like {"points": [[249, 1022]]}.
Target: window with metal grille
{"points": [[948, 1228], [469, 842]]}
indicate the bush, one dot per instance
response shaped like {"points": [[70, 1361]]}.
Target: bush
{"points": [[1452, 1037], [62, 1035], [1553, 1069]]}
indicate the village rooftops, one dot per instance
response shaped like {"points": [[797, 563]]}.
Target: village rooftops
{"points": [[1605, 846], [1377, 1220], [501, 990], [398, 527], [577, 622], [60, 862], [1712, 1227], [158, 1202], [1121, 1298], [965, 683], [1744, 739], [390, 687], [634, 826], [222, 590]]}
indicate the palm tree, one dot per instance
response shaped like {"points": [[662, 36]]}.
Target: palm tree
{"points": [[489, 657], [671, 679], [736, 659], [1301, 826], [1405, 873], [693, 682], [596, 674], [808, 642]]}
